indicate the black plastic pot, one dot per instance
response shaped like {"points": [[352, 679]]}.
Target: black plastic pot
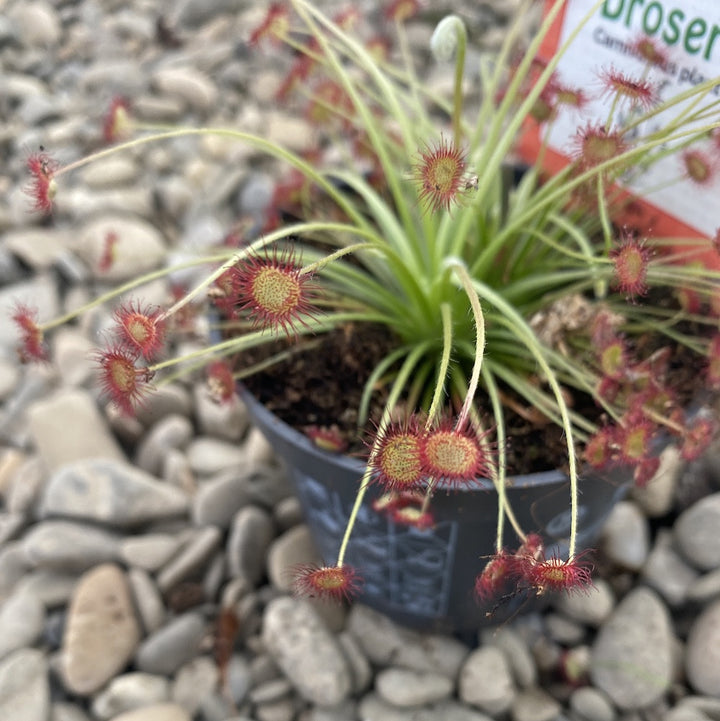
{"points": [[425, 578]]}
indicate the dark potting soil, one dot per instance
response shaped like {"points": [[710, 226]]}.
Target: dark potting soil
{"points": [[322, 386]]}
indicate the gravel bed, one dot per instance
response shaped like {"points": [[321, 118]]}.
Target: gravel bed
{"points": [[144, 562]]}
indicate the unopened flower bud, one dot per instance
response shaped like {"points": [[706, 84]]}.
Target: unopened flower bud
{"points": [[444, 39]]}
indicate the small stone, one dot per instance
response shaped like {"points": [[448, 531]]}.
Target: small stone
{"points": [[591, 704], [386, 643], [186, 84], [164, 401], [374, 708], [22, 617], [26, 487], [592, 607], [632, 657], [37, 23], [101, 632], [111, 492], [139, 247], [218, 499], [130, 691], [564, 630], [192, 556], [250, 537], [257, 449], [109, 172], [10, 526], [656, 498], [9, 378], [294, 133], [405, 688], [450, 711], [534, 704], [166, 650], [71, 350], [227, 421], [667, 571], [306, 651], [50, 588], [283, 710], [626, 536], [288, 513], [486, 681], [148, 600], [270, 691], [14, 564], [705, 589], [62, 711], [195, 680], [702, 654], [516, 651], [66, 546], [171, 432], [38, 248], [706, 705], [211, 455], [156, 712], [150, 551], [176, 472], [342, 712], [294, 548], [696, 533], [685, 713], [24, 687], [88, 436], [360, 668], [239, 678]]}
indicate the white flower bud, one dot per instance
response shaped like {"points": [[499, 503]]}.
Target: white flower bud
{"points": [[444, 39]]}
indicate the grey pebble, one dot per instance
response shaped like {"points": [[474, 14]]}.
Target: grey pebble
{"points": [[168, 648], [360, 669], [516, 651], [632, 657], [191, 556], [667, 571], [271, 691], [591, 704], [534, 704], [591, 608], [58, 443], [24, 686], [626, 536], [22, 617], [227, 421], [702, 654], [169, 433], [111, 492], [195, 680], [288, 551], [129, 691], [148, 601], [149, 551], [251, 534], [406, 688], [211, 455], [220, 497], [696, 533], [306, 651], [68, 546], [385, 643], [486, 681]]}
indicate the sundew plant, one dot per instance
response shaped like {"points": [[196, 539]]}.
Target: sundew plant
{"points": [[500, 291]]}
